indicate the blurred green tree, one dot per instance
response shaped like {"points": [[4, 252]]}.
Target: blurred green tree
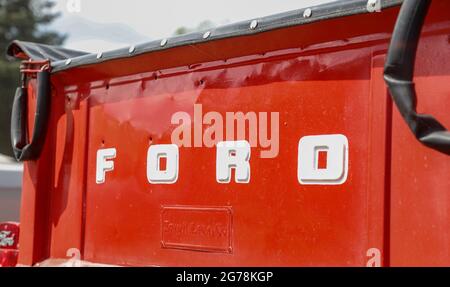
{"points": [[204, 25], [23, 20]]}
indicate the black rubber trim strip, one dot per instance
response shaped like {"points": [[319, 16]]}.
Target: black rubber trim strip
{"points": [[22, 149], [326, 11], [399, 72]]}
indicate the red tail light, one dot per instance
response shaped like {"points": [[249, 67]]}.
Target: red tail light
{"points": [[9, 239]]}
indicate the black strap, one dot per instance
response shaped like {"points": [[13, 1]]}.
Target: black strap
{"points": [[399, 71], [22, 149]]}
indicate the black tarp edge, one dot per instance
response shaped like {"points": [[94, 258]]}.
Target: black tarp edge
{"points": [[59, 56]]}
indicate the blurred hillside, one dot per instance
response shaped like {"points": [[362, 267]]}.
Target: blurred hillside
{"points": [[91, 36]]}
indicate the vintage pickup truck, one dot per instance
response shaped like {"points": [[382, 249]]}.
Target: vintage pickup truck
{"points": [[315, 137]]}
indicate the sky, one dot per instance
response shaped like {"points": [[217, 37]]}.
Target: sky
{"points": [[100, 25]]}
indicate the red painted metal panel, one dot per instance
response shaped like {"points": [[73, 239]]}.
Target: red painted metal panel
{"points": [[317, 223], [36, 191]]}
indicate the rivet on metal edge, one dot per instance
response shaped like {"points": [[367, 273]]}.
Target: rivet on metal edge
{"points": [[207, 34], [99, 55], [253, 24], [373, 6], [307, 13], [68, 61], [132, 49], [163, 42]]}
